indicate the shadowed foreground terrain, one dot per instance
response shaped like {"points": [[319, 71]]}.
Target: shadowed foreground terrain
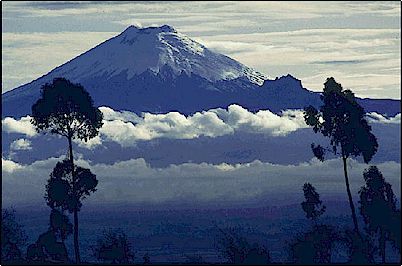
{"points": [[185, 235]]}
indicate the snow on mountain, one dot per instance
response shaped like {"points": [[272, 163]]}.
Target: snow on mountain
{"points": [[136, 50]]}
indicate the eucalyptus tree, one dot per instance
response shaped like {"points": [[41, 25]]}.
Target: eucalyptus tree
{"points": [[342, 120], [67, 109], [378, 208]]}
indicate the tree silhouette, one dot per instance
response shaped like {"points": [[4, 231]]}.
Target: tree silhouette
{"points": [[48, 248], [314, 246], [237, 250], [67, 109], [113, 247], [378, 207], [60, 225], [312, 206], [67, 187], [360, 249], [12, 236], [65, 190], [342, 120], [395, 229]]}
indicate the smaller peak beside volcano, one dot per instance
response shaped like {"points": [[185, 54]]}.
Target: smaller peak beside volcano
{"points": [[287, 82], [287, 77]]}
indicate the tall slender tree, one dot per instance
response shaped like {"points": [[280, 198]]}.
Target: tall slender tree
{"points": [[67, 109], [342, 120], [378, 207]]}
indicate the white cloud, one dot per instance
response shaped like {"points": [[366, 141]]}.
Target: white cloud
{"points": [[109, 114], [374, 117], [171, 125], [271, 9], [135, 182], [127, 128], [90, 144], [9, 166], [21, 126], [21, 144], [264, 121]]}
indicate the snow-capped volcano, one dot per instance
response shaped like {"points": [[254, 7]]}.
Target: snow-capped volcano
{"points": [[136, 50], [157, 69]]}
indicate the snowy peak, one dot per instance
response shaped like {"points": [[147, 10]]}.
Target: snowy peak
{"points": [[137, 50], [133, 30]]}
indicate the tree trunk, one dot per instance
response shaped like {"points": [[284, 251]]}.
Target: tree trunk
{"points": [[382, 246], [76, 246], [352, 206]]}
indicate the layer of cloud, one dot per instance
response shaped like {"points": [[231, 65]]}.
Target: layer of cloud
{"points": [[365, 60], [374, 117], [8, 166], [127, 128], [20, 126], [135, 182], [21, 144], [279, 10]]}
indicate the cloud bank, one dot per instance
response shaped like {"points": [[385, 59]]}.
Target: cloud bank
{"points": [[366, 60], [374, 117], [127, 128], [135, 182]]}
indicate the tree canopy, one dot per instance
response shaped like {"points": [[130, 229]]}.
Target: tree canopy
{"points": [[312, 206], [59, 189], [113, 247], [379, 210], [378, 201], [341, 119], [66, 109]]}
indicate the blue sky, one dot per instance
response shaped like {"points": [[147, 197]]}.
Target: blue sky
{"points": [[356, 42]]}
